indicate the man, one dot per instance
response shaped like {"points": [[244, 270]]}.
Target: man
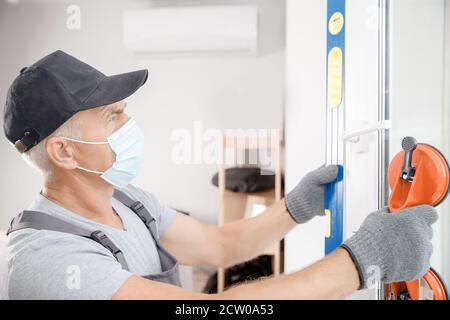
{"points": [[89, 234]]}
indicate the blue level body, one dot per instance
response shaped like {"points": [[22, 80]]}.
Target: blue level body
{"points": [[334, 192], [333, 203]]}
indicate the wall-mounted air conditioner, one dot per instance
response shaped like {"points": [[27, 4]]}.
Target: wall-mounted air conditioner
{"points": [[192, 30]]}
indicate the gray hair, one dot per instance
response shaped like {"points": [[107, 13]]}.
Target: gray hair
{"points": [[37, 156]]}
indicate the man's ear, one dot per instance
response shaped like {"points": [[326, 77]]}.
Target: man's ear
{"points": [[61, 153]]}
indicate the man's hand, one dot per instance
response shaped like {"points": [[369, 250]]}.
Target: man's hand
{"points": [[306, 200], [397, 245]]}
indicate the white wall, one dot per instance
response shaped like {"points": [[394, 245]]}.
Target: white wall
{"points": [[222, 91]]}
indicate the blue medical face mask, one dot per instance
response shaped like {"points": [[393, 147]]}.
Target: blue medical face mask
{"points": [[128, 145]]}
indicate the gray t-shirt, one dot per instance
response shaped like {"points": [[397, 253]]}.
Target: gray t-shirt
{"points": [[41, 264]]}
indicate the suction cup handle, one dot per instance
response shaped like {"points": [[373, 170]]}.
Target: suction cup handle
{"points": [[409, 144]]}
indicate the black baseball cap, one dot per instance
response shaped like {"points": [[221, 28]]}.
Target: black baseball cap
{"points": [[49, 92]]}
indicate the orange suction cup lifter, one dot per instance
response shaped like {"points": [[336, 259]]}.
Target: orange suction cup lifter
{"points": [[417, 175]]}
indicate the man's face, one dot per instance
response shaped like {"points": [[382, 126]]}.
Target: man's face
{"points": [[98, 124], [95, 125]]}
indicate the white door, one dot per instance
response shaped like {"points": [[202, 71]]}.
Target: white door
{"points": [[305, 116], [419, 104], [397, 68], [413, 94], [363, 110]]}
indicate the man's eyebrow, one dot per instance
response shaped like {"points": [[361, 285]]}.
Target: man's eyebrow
{"points": [[118, 107], [109, 109]]}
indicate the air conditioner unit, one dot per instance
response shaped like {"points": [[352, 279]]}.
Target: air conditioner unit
{"points": [[192, 29]]}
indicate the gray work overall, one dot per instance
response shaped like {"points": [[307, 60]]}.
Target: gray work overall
{"points": [[42, 221]]}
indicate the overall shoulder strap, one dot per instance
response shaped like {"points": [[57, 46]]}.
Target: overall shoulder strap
{"points": [[42, 221], [140, 210]]}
